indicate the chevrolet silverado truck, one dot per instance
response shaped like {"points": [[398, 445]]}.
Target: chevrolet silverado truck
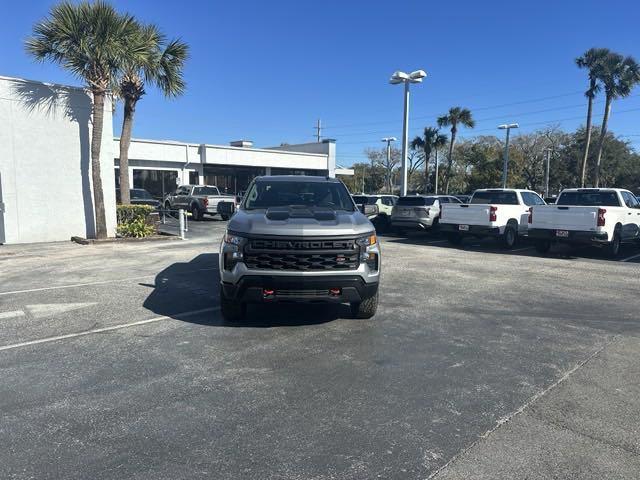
{"points": [[604, 217], [493, 212], [298, 239], [199, 200]]}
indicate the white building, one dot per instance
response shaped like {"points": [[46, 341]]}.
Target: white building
{"points": [[45, 163]]}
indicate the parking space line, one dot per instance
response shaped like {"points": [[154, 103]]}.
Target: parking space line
{"points": [[630, 258], [107, 329], [12, 314]]}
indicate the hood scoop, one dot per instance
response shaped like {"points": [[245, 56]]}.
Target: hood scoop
{"points": [[300, 211]]}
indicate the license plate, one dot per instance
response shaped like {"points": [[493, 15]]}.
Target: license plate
{"points": [[562, 233], [463, 228]]}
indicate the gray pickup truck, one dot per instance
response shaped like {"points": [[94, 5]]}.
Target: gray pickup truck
{"points": [[298, 239], [199, 200]]}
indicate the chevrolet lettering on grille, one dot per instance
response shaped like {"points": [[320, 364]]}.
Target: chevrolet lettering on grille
{"points": [[303, 245]]}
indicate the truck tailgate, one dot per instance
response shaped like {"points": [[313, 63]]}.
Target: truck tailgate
{"points": [[466, 214], [561, 217]]}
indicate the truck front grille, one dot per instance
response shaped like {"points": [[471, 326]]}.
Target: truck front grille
{"points": [[305, 255]]}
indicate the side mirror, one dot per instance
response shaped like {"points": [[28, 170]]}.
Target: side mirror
{"points": [[226, 208]]}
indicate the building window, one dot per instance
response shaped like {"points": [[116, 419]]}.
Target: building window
{"points": [[193, 178], [230, 179], [295, 171], [158, 183]]}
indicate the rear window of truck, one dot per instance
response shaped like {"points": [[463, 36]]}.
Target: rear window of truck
{"points": [[416, 201], [362, 199], [495, 198], [589, 199]]}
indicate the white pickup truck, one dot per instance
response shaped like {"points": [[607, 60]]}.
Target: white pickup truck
{"points": [[604, 217], [491, 212]]}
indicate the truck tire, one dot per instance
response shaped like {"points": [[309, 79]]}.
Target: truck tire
{"points": [[167, 205], [613, 248], [509, 237], [543, 246], [454, 238], [232, 310], [224, 217], [196, 213], [365, 309]]}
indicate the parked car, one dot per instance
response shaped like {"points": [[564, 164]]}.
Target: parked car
{"points": [[463, 198], [551, 199], [199, 200], [384, 203], [495, 212], [139, 196], [419, 212], [298, 239], [605, 217], [367, 205]]}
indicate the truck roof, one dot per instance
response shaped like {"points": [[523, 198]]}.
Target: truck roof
{"points": [[594, 190], [502, 190], [296, 178]]}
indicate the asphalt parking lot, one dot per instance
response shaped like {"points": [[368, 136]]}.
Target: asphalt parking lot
{"points": [[480, 363]]}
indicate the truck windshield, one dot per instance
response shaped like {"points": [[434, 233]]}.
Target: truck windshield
{"points": [[206, 191], [496, 198], [589, 199], [416, 201], [278, 193]]}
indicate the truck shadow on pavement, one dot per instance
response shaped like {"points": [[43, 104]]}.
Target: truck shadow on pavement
{"points": [[187, 287], [524, 247]]}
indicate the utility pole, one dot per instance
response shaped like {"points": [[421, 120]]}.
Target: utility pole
{"points": [[505, 166], [547, 170], [319, 130], [388, 141]]}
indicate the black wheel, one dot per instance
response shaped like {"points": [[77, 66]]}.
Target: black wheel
{"points": [[509, 237], [543, 246], [365, 309], [232, 310], [454, 238], [196, 213], [224, 217], [613, 248]]}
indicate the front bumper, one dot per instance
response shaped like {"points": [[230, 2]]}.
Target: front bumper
{"points": [[251, 289], [479, 230], [574, 236]]}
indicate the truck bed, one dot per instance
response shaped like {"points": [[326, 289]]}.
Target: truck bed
{"points": [[565, 217]]}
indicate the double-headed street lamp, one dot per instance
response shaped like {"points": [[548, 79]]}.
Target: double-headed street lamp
{"points": [[505, 166], [387, 181], [406, 78]]}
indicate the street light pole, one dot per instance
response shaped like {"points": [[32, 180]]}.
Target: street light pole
{"points": [[387, 178], [406, 78], [505, 165]]}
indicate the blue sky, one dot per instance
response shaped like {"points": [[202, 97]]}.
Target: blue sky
{"points": [[266, 70]]}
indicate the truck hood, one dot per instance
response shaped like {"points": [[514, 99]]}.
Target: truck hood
{"points": [[279, 223]]}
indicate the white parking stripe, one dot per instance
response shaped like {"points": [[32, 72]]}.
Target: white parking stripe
{"points": [[108, 329], [103, 282], [13, 314], [630, 258]]}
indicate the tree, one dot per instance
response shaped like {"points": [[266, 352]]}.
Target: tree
{"points": [[158, 63], [438, 142], [425, 144], [456, 116], [90, 41], [618, 75], [591, 60], [387, 166]]}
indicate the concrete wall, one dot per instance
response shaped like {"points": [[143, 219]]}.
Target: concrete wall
{"points": [[254, 157], [326, 148], [45, 163]]}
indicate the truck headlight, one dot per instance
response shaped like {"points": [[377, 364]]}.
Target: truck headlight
{"points": [[232, 246], [366, 255]]}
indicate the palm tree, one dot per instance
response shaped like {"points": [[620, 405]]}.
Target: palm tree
{"points": [[619, 75], [456, 116], [591, 60], [159, 64], [425, 143], [89, 40], [438, 142]]}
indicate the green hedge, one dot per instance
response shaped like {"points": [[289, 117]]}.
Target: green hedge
{"points": [[135, 221]]}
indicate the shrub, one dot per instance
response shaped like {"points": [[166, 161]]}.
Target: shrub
{"points": [[135, 221]]}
